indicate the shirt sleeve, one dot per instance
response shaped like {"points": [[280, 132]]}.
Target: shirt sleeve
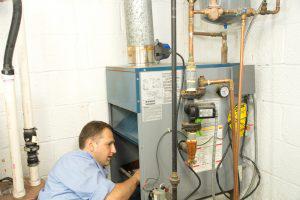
{"points": [[84, 178], [100, 194]]}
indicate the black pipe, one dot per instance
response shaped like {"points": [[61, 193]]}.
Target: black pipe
{"points": [[12, 38], [174, 176]]}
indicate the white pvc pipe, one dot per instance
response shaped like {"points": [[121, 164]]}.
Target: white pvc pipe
{"points": [[15, 152], [26, 94]]}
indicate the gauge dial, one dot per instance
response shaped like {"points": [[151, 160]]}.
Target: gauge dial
{"points": [[223, 91]]}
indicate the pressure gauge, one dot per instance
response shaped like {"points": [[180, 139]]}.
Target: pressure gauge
{"points": [[223, 91]]}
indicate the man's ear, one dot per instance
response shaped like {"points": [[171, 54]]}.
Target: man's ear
{"points": [[90, 145]]}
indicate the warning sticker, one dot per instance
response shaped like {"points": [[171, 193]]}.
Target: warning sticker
{"points": [[205, 148], [156, 90], [151, 113]]}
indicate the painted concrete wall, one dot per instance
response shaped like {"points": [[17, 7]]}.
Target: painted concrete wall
{"points": [[69, 43]]}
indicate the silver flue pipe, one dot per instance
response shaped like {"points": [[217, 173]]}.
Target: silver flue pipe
{"points": [[139, 31]]}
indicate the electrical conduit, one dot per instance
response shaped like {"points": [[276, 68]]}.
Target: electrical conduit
{"points": [[174, 179]]}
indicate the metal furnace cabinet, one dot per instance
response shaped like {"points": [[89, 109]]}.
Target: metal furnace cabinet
{"points": [[140, 111]]}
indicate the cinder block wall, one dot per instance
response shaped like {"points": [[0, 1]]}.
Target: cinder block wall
{"points": [[273, 46], [69, 43]]}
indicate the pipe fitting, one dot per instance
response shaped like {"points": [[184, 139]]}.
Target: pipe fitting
{"points": [[213, 13], [31, 147], [203, 82], [174, 179], [264, 8], [8, 70]]}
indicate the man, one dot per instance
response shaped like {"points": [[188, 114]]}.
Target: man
{"points": [[82, 174]]}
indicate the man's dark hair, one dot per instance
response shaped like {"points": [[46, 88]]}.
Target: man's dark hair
{"points": [[92, 129]]}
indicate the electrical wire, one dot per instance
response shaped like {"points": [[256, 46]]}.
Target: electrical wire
{"points": [[169, 131], [251, 98], [251, 24], [198, 178], [243, 157], [182, 81], [213, 162], [218, 167], [157, 162], [248, 159]]}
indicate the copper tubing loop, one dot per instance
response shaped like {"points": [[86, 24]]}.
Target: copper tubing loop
{"points": [[224, 48]]}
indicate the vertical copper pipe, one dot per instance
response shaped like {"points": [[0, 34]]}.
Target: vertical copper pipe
{"points": [[191, 32], [224, 49], [277, 9], [213, 2], [233, 120], [237, 137]]}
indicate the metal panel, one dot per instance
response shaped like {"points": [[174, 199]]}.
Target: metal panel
{"points": [[127, 96], [150, 132], [249, 79], [121, 89]]}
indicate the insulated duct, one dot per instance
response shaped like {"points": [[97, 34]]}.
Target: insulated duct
{"points": [[139, 31]]}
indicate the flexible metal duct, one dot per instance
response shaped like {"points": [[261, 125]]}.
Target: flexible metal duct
{"points": [[139, 30]]}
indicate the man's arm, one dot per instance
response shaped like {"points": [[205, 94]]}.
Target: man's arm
{"points": [[123, 191]]}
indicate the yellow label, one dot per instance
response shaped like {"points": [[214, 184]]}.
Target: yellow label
{"points": [[243, 117]]}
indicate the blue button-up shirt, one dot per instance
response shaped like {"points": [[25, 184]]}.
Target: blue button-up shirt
{"points": [[77, 175]]}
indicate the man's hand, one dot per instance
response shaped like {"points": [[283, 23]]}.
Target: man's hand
{"points": [[137, 176], [124, 190]]}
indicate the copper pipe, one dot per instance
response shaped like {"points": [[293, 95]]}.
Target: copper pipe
{"points": [[201, 12], [213, 3], [191, 31], [225, 12], [212, 34], [231, 12], [203, 83], [241, 79], [224, 48], [277, 9]]}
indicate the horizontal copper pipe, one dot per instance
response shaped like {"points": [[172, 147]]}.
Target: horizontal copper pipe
{"points": [[224, 48], [212, 34], [231, 12], [224, 12], [201, 12]]}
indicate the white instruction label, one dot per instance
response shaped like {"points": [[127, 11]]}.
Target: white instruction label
{"points": [[205, 149], [156, 90], [167, 85]]}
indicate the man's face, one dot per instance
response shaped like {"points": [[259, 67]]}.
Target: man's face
{"points": [[104, 147]]}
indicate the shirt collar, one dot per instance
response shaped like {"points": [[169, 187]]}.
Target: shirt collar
{"points": [[104, 169]]}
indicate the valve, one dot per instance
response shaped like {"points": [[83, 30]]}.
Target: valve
{"points": [[31, 147], [161, 51]]}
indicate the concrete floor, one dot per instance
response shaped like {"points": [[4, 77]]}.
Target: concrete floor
{"points": [[31, 192]]}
